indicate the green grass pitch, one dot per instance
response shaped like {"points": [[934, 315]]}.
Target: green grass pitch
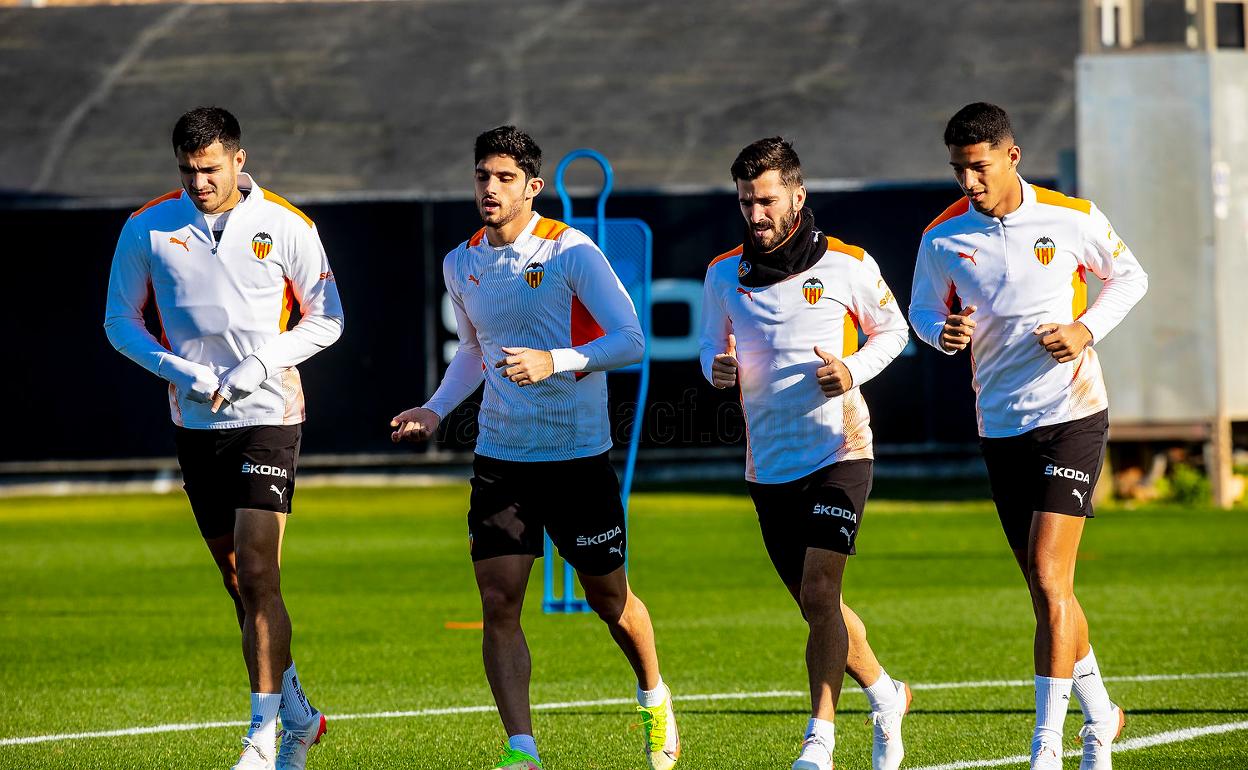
{"points": [[113, 618]]}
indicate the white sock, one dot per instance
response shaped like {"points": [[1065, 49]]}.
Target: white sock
{"points": [[823, 730], [525, 743], [1052, 698], [883, 695], [1090, 689], [652, 698], [263, 730], [296, 712]]}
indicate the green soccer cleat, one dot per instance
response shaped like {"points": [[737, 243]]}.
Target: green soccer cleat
{"points": [[662, 738], [517, 760]]}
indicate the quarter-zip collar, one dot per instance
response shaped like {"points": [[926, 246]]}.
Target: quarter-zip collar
{"points": [[1029, 200]]}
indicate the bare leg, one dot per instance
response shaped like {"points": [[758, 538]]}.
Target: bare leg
{"points": [[628, 620], [1061, 627], [222, 550], [502, 581], [266, 626], [827, 647], [1053, 549], [861, 663]]}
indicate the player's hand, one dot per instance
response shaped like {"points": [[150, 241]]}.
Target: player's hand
{"points": [[1065, 342], [415, 424], [525, 366], [834, 376], [958, 330], [196, 381], [239, 382], [724, 367]]}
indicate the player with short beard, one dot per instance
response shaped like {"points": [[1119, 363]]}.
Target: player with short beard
{"points": [[781, 316], [541, 317], [224, 262], [1003, 272]]}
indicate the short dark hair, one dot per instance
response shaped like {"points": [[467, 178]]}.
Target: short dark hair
{"points": [[976, 123], [204, 125], [512, 142], [772, 153]]}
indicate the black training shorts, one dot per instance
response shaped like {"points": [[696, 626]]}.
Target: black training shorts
{"points": [[237, 468], [820, 510], [1053, 468], [576, 501]]}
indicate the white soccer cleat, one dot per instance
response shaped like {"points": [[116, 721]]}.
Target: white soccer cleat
{"points": [[816, 755], [254, 757], [1097, 738], [1046, 755], [887, 750], [662, 738], [293, 745]]}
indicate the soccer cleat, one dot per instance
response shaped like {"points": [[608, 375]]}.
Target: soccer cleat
{"points": [[887, 750], [662, 738], [293, 745], [513, 759], [816, 755], [1045, 755], [1096, 739], [253, 757]]}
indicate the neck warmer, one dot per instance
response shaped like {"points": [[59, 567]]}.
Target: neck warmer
{"points": [[804, 246]]}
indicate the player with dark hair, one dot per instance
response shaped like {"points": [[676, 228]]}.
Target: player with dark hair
{"points": [[541, 317], [781, 315], [224, 262], [1003, 272]]}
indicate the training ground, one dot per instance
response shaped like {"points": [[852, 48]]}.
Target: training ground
{"points": [[118, 647]]}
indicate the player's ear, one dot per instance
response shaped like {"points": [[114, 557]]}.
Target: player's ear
{"points": [[799, 196], [1016, 154], [240, 158], [536, 184]]}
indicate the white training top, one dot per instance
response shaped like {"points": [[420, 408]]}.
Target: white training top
{"points": [[792, 428], [219, 304], [1020, 271], [552, 289]]}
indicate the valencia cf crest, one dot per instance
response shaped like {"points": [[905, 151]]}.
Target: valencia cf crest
{"points": [[1045, 249], [812, 290], [744, 269], [533, 274], [262, 244]]}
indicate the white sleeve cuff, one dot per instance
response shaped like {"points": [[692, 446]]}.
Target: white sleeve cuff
{"points": [[569, 360]]}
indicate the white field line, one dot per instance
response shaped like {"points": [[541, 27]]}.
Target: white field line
{"points": [[1143, 742], [684, 698]]}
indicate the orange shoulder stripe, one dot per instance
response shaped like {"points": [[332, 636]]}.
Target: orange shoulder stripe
{"points": [[279, 200], [550, 229], [956, 210], [476, 238], [836, 244], [726, 255], [1054, 198], [156, 201]]}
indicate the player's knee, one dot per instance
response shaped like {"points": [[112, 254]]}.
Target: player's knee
{"points": [[820, 601], [499, 605], [1048, 587], [609, 605], [256, 580]]}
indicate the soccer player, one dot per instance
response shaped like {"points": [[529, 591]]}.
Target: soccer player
{"points": [[1003, 273], [223, 261], [541, 316], [781, 315]]}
